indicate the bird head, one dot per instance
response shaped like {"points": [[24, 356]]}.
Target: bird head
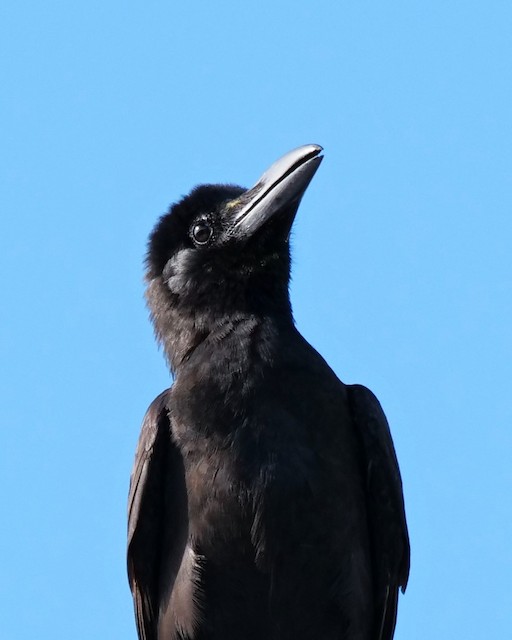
{"points": [[223, 251]]}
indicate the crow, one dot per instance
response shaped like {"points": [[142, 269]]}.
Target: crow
{"points": [[265, 501]]}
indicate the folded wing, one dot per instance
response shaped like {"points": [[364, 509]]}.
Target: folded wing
{"points": [[388, 527], [157, 523]]}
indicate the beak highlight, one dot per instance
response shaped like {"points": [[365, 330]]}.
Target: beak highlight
{"points": [[282, 185]]}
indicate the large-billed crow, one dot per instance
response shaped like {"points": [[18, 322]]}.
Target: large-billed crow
{"points": [[265, 501]]}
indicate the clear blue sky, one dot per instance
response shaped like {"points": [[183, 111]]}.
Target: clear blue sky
{"points": [[402, 267]]}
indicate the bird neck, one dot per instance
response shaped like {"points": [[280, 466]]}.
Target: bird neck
{"points": [[232, 341], [253, 327]]}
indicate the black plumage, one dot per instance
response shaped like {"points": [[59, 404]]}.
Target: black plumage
{"points": [[265, 501]]}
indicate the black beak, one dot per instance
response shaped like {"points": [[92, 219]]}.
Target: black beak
{"points": [[280, 187]]}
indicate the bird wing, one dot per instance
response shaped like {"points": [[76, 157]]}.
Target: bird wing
{"points": [[156, 504], [389, 536]]}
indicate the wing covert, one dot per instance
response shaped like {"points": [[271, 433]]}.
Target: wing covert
{"points": [[388, 527], [156, 517]]}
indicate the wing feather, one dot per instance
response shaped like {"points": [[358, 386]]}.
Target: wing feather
{"points": [[155, 518], [388, 527]]}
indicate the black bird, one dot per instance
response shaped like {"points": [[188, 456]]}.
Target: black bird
{"points": [[265, 500]]}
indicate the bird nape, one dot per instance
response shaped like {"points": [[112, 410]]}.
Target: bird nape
{"points": [[265, 500]]}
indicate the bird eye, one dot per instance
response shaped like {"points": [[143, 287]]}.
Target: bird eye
{"points": [[202, 232]]}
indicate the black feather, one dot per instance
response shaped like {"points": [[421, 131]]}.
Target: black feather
{"points": [[266, 500]]}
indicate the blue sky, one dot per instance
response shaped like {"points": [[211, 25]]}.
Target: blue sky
{"points": [[402, 271]]}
